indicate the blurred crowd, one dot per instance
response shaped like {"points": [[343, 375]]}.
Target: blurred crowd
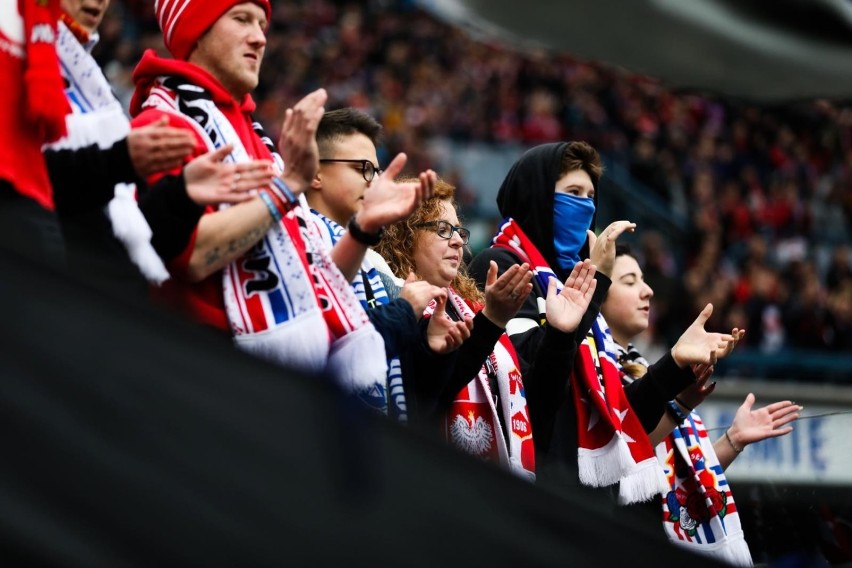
{"points": [[767, 191]]}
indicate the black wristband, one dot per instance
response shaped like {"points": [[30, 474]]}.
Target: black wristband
{"points": [[676, 413], [369, 239]]}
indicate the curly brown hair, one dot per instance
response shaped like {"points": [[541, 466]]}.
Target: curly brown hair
{"points": [[400, 239]]}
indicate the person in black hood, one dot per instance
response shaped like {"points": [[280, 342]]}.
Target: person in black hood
{"points": [[549, 202]]}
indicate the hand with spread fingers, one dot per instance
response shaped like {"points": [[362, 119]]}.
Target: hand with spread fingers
{"points": [[565, 309], [505, 295], [210, 181], [698, 346], [158, 147], [443, 334], [750, 426], [387, 201], [602, 248], [298, 141]]}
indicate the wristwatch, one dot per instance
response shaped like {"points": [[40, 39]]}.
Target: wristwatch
{"points": [[363, 237]]}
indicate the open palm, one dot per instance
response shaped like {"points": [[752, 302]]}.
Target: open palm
{"points": [[565, 309]]}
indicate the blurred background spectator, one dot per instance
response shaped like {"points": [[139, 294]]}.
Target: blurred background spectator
{"points": [[742, 205]]}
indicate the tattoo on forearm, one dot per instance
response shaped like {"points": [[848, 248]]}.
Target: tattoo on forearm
{"points": [[237, 245]]}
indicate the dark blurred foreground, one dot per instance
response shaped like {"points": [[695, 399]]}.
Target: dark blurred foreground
{"points": [[133, 439]]}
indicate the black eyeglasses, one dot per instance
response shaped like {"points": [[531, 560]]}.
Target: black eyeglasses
{"points": [[368, 169], [445, 230]]}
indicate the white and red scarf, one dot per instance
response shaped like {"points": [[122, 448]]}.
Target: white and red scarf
{"points": [[699, 511], [473, 422], [612, 446], [98, 118], [285, 299], [387, 397]]}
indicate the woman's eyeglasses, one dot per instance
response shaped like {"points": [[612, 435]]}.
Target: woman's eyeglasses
{"points": [[368, 168], [445, 230]]}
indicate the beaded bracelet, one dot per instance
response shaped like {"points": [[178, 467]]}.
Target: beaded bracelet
{"points": [[270, 204], [283, 192], [731, 442]]}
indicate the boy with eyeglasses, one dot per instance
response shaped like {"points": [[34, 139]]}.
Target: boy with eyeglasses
{"points": [[347, 140]]}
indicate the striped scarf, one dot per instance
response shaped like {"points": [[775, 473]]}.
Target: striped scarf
{"points": [[699, 512], [474, 424], [97, 118], [612, 446], [285, 299], [388, 396]]}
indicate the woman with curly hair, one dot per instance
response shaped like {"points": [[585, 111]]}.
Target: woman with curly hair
{"points": [[483, 406]]}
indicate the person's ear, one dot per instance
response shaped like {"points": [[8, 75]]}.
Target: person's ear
{"points": [[316, 183]]}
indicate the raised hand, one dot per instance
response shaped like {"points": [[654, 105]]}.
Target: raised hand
{"points": [[158, 147], [697, 346], [298, 141], [419, 293], [771, 421], [602, 249], [504, 296], [387, 201], [443, 334], [209, 181], [565, 309]]}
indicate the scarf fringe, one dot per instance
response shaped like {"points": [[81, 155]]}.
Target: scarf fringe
{"points": [[732, 550], [297, 343], [347, 363], [605, 465], [130, 227], [644, 483]]}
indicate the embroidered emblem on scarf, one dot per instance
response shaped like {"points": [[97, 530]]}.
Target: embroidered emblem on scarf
{"points": [[699, 511], [612, 446], [473, 422]]}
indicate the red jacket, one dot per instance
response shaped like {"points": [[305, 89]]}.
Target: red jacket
{"points": [[203, 301], [21, 160]]}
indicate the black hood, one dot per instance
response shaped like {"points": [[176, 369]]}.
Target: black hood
{"points": [[527, 196]]}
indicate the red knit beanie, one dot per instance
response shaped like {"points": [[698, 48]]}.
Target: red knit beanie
{"points": [[184, 21]]}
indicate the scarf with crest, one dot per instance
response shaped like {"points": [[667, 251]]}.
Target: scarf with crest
{"points": [[285, 299], [699, 512], [474, 424], [612, 446], [387, 397]]}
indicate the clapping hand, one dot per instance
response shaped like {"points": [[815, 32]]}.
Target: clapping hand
{"points": [[210, 181], [443, 334], [565, 309], [298, 141], [505, 295], [697, 346], [387, 201]]}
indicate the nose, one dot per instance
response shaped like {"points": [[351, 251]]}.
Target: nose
{"points": [[456, 240], [258, 36], [647, 291]]}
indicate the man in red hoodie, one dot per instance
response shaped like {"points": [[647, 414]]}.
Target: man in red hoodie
{"points": [[32, 112], [218, 46]]}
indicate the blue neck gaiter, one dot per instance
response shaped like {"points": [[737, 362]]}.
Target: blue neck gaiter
{"points": [[572, 216]]}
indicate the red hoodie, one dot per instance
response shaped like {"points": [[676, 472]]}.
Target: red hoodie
{"points": [[202, 300]]}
